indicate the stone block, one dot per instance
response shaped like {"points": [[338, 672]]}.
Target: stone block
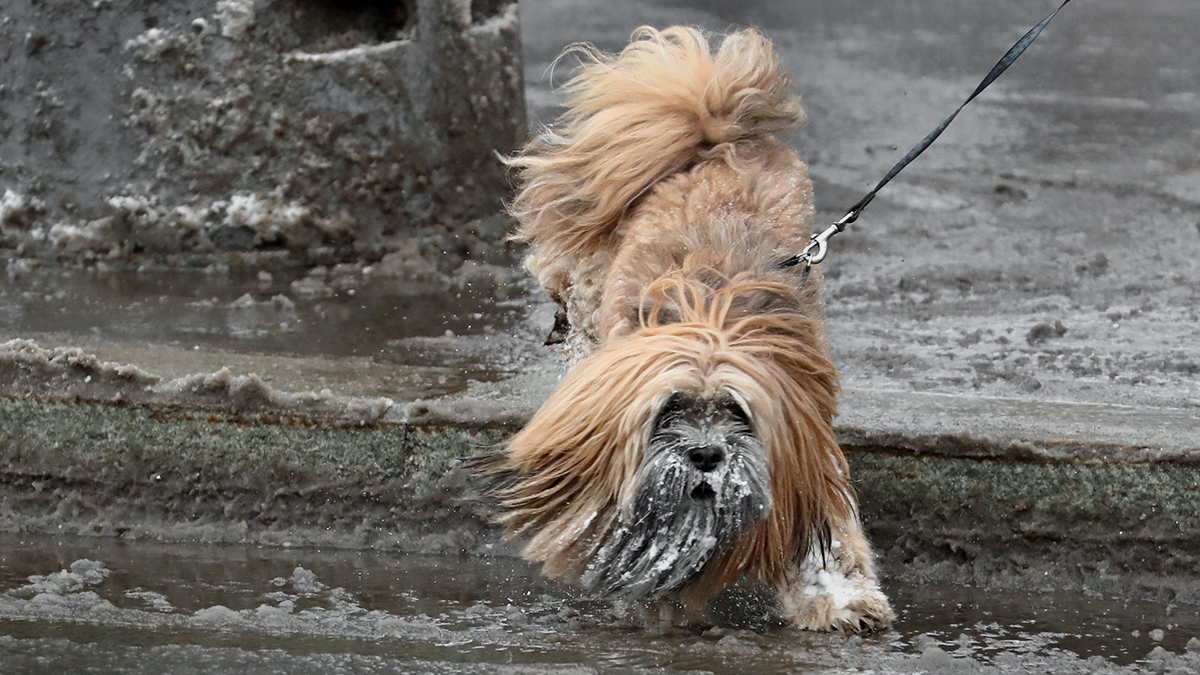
{"points": [[255, 132]]}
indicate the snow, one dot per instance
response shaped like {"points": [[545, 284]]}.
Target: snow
{"points": [[840, 590], [15, 208], [353, 54], [69, 372], [821, 578], [302, 581], [81, 574], [237, 18]]}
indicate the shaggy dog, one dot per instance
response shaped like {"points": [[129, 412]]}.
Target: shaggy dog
{"points": [[691, 445]]}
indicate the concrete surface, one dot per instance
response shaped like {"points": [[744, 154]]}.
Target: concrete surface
{"points": [[255, 133]]}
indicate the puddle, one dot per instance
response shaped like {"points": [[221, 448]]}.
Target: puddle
{"points": [[358, 334], [348, 315], [102, 605]]}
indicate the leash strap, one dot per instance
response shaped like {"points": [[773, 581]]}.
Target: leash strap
{"points": [[815, 252]]}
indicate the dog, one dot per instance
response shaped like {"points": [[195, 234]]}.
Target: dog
{"points": [[690, 446]]}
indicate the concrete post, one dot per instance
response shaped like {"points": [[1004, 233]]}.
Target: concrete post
{"points": [[254, 132]]}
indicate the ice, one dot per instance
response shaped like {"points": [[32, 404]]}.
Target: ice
{"points": [[81, 574], [237, 18], [157, 601]]}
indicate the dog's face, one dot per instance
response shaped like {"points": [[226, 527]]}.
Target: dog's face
{"points": [[693, 452], [703, 482]]}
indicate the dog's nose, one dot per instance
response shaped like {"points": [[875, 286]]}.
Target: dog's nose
{"points": [[706, 457]]}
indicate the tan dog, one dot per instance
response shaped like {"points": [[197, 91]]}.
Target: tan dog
{"points": [[691, 445]]}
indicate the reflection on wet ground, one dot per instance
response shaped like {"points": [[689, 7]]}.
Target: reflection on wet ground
{"points": [[348, 315], [359, 334], [73, 604]]}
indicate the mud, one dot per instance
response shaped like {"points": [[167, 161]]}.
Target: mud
{"points": [[269, 610], [224, 466], [1108, 530], [144, 474]]}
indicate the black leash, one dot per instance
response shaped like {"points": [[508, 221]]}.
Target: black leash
{"points": [[815, 252]]}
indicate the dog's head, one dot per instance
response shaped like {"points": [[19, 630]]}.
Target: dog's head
{"points": [[703, 482], [686, 455]]}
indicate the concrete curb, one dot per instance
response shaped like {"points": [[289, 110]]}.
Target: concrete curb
{"points": [[1044, 496]]}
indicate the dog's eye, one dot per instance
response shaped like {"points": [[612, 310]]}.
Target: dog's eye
{"points": [[672, 409], [735, 410]]}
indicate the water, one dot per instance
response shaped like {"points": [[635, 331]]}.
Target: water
{"points": [[1094, 127], [358, 334], [346, 315], [102, 605]]}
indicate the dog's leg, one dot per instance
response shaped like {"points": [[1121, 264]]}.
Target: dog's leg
{"points": [[666, 617], [655, 616], [837, 590]]}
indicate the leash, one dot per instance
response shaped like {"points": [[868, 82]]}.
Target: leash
{"points": [[818, 247]]}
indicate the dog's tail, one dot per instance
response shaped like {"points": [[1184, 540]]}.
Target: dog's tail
{"points": [[662, 104]]}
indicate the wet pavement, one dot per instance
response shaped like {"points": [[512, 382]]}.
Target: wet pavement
{"points": [[1046, 247], [349, 330], [68, 605], [1046, 250]]}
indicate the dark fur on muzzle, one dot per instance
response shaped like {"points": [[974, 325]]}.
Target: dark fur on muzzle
{"points": [[703, 483]]}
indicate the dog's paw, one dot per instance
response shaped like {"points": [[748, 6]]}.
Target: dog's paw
{"points": [[838, 603], [863, 615]]}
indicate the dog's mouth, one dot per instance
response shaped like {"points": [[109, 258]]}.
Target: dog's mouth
{"points": [[703, 492]]}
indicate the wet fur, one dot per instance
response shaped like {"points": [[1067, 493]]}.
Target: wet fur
{"points": [[681, 517], [655, 212]]}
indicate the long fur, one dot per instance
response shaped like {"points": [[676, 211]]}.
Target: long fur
{"points": [[658, 107], [655, 212], [579, 455], [682, 516]]}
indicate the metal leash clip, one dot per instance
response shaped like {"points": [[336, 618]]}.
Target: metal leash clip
{"points": [[820, 242], [818, 245], [815, 252]]}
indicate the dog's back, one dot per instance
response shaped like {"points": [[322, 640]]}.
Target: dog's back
{"points": [[665, 160]]}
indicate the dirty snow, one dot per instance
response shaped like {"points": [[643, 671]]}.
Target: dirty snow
{"points": [[237, 18], [68, 372], [424, 614]]}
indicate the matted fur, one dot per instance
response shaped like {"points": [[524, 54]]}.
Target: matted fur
{"points": [[655, 212], [579, 455]]}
